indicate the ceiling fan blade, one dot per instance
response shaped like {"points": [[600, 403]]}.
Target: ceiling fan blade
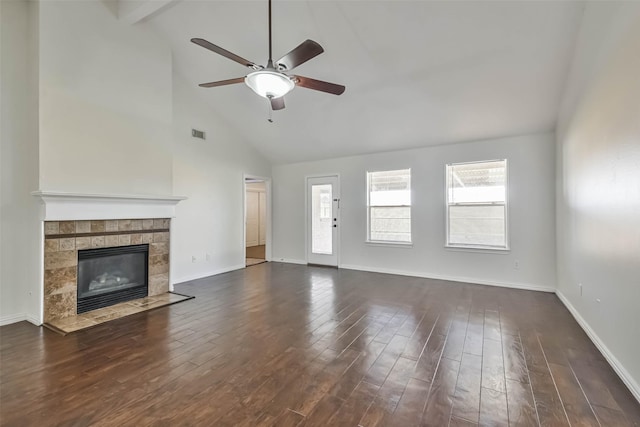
{"points": [[223, 82], [305, 51], [319, 85], [277, 103], [220, 51]]}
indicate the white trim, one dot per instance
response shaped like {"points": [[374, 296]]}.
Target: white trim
{"points": [[478, 249], [40, 318], [19, 317], [33, 320], [389, 244], [473, 281], [292, 261], [624, 375], [368, 239], [197, 276], [60, 206], [12, 318], [506, 205], [84, 196]]}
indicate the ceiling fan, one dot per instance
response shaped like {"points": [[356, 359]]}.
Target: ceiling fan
{"points": [[271, 81]]}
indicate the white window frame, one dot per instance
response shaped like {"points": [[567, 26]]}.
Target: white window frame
{"points": [[410, 206], [476, 247]]}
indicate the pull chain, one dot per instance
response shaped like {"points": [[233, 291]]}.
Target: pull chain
{"points": [[270, 118]]}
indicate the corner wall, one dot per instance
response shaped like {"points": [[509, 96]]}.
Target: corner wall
{"points": [[209, 225], [531, 213], [598, 197], [20, 285]]}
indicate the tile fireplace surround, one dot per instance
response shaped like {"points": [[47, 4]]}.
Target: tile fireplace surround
{"points": [[73, 222], [63, 240]]}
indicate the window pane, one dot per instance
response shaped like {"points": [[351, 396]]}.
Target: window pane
{"points": [[477, 225], [390, 224], [390, 188], [477, 182], [321, 225]]}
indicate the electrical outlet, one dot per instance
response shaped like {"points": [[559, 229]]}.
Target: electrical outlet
{"points": [[193, 258], [516, 265], [208, 257], [580, 287]]}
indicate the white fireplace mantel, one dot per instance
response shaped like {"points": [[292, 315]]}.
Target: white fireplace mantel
{"points": [[60, 206]]}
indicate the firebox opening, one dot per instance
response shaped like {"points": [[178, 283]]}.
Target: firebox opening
{"points": [[107, 276]]}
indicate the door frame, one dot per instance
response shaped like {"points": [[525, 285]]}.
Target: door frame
{"points": [[267, 184], [307, 211]]}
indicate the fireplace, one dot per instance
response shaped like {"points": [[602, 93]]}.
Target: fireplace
{"points": [[65, 240], [107, 276]]}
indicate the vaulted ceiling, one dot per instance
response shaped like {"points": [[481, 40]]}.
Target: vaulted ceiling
{"points": [[417, 72]]}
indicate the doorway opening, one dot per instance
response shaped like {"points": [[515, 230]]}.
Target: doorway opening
{"points": [[255, 221]]}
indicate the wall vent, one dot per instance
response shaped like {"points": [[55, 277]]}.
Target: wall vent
{"points": [[198, 134]]}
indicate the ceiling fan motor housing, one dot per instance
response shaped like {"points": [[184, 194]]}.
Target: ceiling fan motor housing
{"points": [[269, 84]]}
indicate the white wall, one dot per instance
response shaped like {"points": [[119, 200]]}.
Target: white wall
{"points": [[88, 106], [20, 296], [531, 213], [599, 184], [105, 102], [210, 173]]}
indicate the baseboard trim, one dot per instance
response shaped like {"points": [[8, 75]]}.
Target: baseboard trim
{"points": [[290, 260], [15, 318], [624, 375], [34, 320], [191, 277], [523, 286], [12, 318]]}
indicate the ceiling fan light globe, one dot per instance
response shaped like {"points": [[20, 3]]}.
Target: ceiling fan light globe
{"points": [[269, 84]]}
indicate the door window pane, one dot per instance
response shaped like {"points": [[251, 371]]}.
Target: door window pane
{"points": [[321, 223]]}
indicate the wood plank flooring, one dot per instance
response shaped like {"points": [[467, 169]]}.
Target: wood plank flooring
{"points": [[288, 345], [256, 251]]}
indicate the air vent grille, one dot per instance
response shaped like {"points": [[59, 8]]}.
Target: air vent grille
{"points": [[198, 134]]}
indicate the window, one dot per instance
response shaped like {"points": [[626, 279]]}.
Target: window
{"points": [[477, 205], [389, 206], [325, 204]]}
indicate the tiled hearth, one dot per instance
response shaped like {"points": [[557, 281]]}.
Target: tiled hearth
{"points": [[63, 240], [92, 318]]}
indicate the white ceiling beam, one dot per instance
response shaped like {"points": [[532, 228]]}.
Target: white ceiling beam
{"points": [[134, 11]]}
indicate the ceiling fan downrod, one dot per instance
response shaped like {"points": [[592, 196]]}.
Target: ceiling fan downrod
{"points": [[270, 62]]}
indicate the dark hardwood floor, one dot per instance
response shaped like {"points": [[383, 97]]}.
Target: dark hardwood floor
{"points": [[287, 345]]}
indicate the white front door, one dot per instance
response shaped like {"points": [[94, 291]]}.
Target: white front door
{"points": [[323, 203]]}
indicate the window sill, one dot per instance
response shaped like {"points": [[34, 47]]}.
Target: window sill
{"points": [[405, 245], [478, 249]]}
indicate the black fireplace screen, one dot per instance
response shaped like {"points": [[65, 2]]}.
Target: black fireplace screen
{"points": [[107, 276]]}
